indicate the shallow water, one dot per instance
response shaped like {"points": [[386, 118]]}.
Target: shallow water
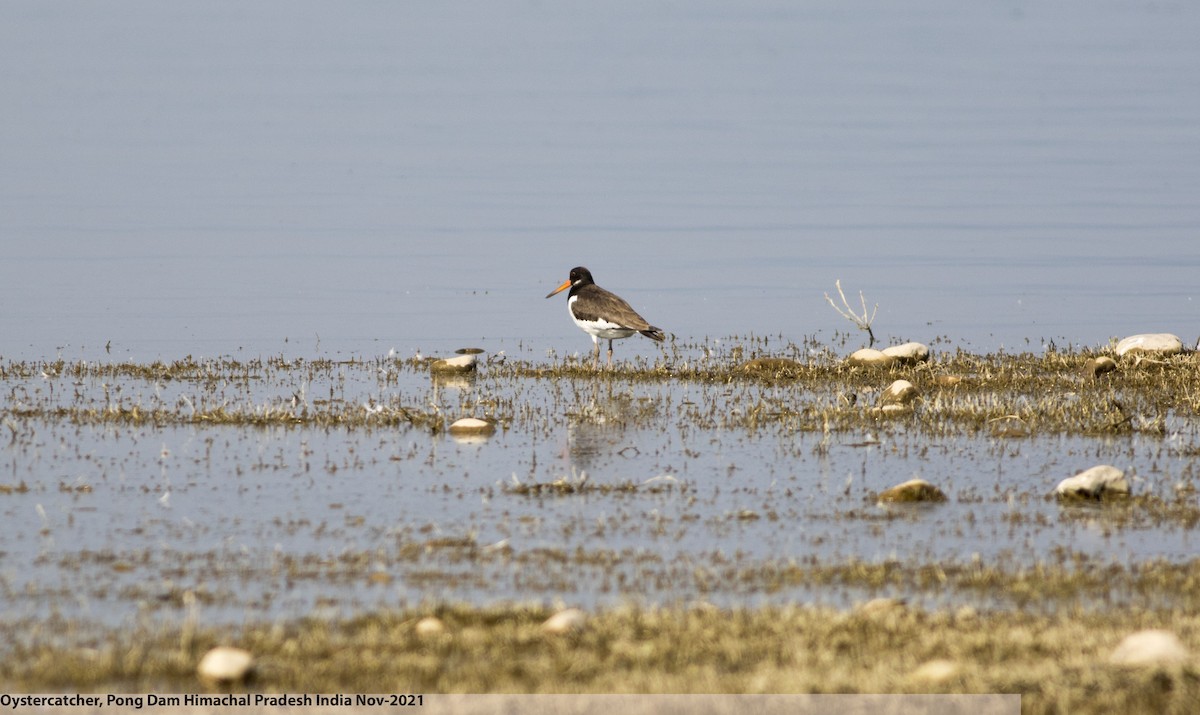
{"points": [[290, 180], [670, 501]]}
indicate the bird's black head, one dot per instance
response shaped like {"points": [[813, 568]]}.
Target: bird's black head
{"points": [[579, 276]]}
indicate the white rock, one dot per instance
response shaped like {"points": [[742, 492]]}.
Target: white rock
{"points": [[1094, 483], [1098, 366], [461, 363], [870, 356], [1150, 647], [570, 620], [900, 392], [225, 664], [430, 626], [936, 671], [1155, 343], [472, 426], [908, 353], [914, 490]]}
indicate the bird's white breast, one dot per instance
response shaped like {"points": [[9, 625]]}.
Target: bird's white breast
{"points": [[598, 328]]}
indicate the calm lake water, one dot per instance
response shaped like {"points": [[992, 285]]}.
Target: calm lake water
{"points": [[220, 178], [312, 180]]}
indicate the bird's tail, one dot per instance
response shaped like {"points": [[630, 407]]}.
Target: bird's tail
{"points": [[654, 333]]}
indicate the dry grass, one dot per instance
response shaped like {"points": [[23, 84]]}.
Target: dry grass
{"points": [[1059, 663]]}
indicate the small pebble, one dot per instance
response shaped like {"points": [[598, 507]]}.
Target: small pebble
{"points": [[1096, 483], [462, 363], [870, 357], [430, 626], [472, 426], [900, 392], [935, 671], [1148, 648], [570, 620], [908, 353], [914, 490], [225, 664], [1098, 366]]}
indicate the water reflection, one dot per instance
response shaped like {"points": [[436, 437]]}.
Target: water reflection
{"points": [[457, 382], [605, 427]]}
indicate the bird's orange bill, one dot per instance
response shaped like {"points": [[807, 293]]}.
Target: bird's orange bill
{"points": [[566, 284]]}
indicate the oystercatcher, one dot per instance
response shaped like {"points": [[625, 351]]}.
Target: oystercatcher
{"points": [[601, 314]]}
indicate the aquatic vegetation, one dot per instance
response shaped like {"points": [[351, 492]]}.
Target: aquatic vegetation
{"points": [[814, 390], [362, 448]]}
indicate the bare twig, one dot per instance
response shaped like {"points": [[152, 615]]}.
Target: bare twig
{"points": [[862, 321]]}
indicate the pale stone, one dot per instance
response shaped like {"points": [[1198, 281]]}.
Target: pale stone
{"points": [[908, 353], [570, 620], [870, 357], [430, 626], [914, 490], [1150, 343], [936, 671], [225, 664], [462, 363], [900, 392], [1095, 483], [1148, 648], [472, 426], [896, 399], [1098, 366]]}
